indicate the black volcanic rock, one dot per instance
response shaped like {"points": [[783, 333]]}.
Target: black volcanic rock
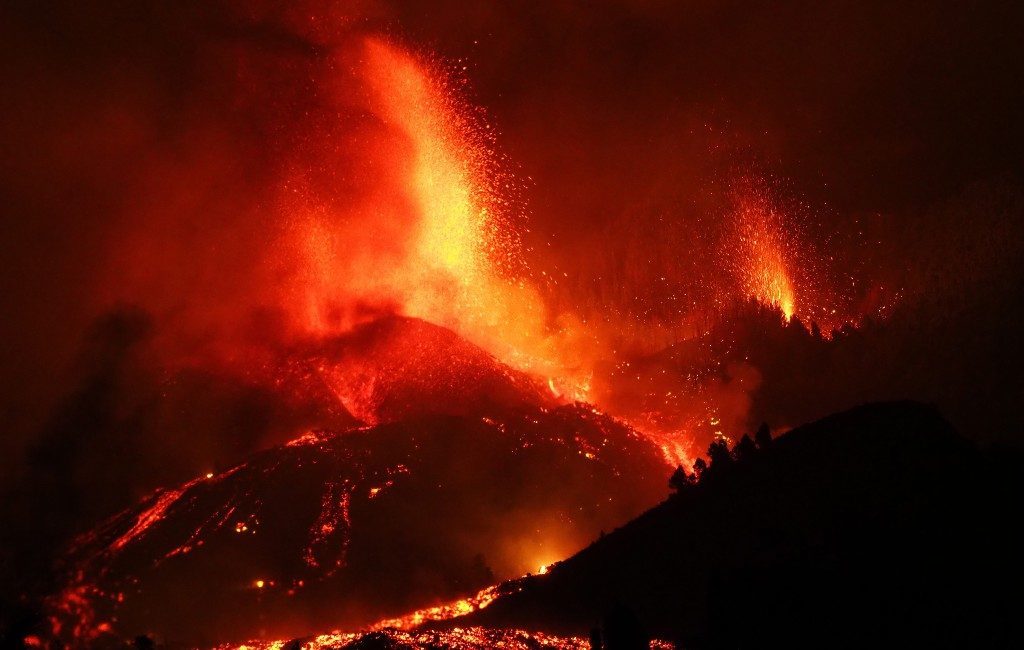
{"points": [[341, 529], [875, 527]]}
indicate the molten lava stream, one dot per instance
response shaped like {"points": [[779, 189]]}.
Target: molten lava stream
{"points": [[403, 631]]}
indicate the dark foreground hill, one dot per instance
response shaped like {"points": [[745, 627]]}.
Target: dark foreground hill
{"points": [[874, 527]]}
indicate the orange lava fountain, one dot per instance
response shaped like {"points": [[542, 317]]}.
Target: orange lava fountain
{"points": [[447, 251], [448, 254], [763, 249]]}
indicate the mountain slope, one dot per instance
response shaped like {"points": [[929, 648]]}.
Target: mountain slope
{"points": [[344, 528], [394, 368], [878, 525]]}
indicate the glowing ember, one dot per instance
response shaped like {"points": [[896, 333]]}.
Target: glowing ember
{"points": [[762, 245], [154, 513], [447, 611], [471, 638], [403, 630], [333, 520]]}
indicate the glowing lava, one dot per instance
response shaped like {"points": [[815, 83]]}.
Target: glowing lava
{"points": [[407, 631], [447, 252], [762, 248], [335, 523], [458, 638]]}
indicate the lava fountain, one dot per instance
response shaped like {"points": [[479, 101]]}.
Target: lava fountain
{"points": [[762, 248], [461, 265]]}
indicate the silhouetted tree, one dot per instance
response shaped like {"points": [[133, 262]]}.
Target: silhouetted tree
{"points": [[679, 480], [699, 467], [763, 437], [719, 454], [143, 642], [745, 449], [595, 638]]}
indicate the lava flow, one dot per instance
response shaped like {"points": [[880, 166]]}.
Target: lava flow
{"points": [[471, 638], [357, 526], [407, 631]]}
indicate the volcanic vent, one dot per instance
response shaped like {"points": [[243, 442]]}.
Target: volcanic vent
{"points": [[343, 528], [394, 368]]}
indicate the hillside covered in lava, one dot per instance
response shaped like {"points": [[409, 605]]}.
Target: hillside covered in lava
{"points": [[471, 476]]}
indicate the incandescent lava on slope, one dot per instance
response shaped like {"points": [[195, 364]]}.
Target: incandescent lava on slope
{"points": [[458, 638], [344, 528], [395, 368]]}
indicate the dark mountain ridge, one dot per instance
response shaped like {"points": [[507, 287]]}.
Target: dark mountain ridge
{"points": [[876, 526]]}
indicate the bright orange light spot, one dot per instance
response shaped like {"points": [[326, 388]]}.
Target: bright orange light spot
{"points": [[440, 247], [259, 584], [761, 247], [447, 611]]}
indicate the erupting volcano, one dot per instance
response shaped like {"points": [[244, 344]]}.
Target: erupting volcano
{"points": [[331, 530], [395, 326], [353, 525]]}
